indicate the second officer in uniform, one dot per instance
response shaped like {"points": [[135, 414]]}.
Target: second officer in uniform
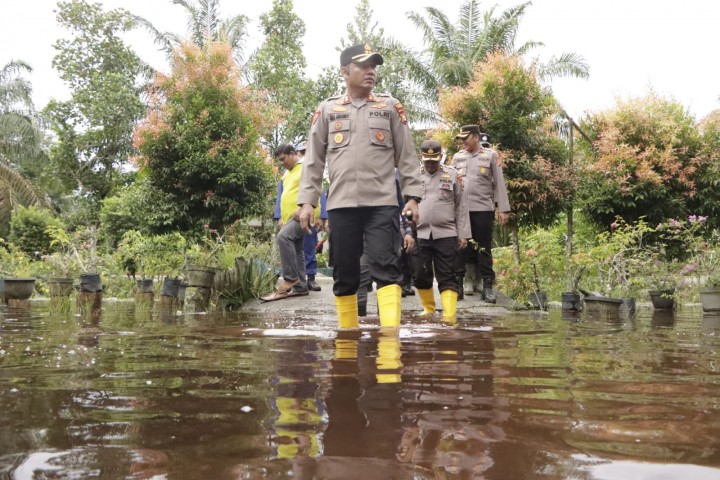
{"points": [[443, 230]]}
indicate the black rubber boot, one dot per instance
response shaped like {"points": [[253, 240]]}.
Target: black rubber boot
{"points": [[461, 290], [488, 291], [311, 285]]}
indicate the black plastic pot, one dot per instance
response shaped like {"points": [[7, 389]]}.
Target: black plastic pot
{"points": [[18, 288], [60, 286], [90, 283], [538, 299], [662, 299], [571, 301], [171, 286], [144, 285]]}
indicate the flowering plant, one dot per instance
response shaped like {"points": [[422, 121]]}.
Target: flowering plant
{"points": [[700, 243], [619, 257]]}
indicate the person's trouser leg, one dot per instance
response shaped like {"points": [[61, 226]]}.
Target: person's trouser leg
{"points": [[292, 259], [309, 244], [481, 224], [444, 253], [346, 247], [382, 241], [365, 280], [421, 263]]}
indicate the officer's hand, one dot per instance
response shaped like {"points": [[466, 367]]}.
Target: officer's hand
{"points": [[296, 215], [306, 216], [409, 242], [462, 243], [413, 207], [503, 217]]}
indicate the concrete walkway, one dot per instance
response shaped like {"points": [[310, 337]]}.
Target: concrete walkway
{"points": [[323, 302]]}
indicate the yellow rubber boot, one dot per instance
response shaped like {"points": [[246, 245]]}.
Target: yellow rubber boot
{"points": [[449, 304], [427, 299], [347, 311], [388, 299]]}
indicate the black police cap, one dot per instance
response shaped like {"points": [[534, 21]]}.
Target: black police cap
{"points": [[466, 130], [431, 150], [358, 54]]}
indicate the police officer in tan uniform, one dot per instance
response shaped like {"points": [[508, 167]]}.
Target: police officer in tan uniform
{"points": [[362, 136], [484, 189], [443, 230]]}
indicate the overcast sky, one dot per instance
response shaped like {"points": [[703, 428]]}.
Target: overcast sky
{"points": [[631, 46]]}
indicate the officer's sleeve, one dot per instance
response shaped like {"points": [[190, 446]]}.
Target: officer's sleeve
{"points": [[314, 163], [462, 215], [276, 213], [499, 188], [406, 158]]}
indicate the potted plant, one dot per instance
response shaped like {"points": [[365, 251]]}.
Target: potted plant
{"points": [[538, 298], [201, 259], [150, 256], [660, 276], [572, 299], [62, 262], [700, 243], [16, 269], [81, 246]]}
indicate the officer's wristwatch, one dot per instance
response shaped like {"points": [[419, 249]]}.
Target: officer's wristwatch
{"points": [[417, 199]]}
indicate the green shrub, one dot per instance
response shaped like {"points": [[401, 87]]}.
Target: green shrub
{"points": [[28, 230]]}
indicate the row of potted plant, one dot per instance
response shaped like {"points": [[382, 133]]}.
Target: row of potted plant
{"points": [[628, 261]]}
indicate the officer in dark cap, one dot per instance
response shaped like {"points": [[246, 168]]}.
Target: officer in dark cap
{"points": [[443, 230], [362, 136], [484, 191]]}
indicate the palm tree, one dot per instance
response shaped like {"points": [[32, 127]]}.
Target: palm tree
{"points": [[453, 50], [20, 140], [204, 26]]}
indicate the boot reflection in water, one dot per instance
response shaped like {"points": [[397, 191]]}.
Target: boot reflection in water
{"points": [[388, 359], [363, 413]]}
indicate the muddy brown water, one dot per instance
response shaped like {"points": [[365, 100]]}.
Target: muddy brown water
{"points": [[137, 393]]}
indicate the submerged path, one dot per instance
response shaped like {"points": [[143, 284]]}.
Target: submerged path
{"points": [[324, 302]]}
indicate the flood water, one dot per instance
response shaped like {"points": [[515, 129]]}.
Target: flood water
{"points": [[141, 394]]}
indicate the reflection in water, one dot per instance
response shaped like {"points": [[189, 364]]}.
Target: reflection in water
{"points": [[663, 318], [147, 394]]}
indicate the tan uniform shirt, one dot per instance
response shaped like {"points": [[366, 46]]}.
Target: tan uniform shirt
{"points": [[362, 141], [484, 181], [443, 213]]}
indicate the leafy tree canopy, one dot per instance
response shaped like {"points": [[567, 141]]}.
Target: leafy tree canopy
{"points": [[278, 70], [200, 142], [645, 161], [94, 128]]}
